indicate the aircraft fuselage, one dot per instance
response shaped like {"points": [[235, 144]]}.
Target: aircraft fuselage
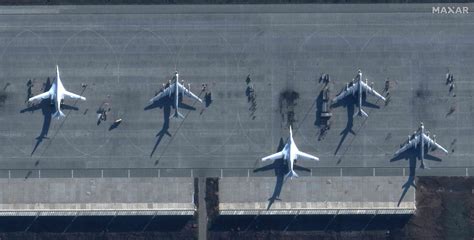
{"points": [[360, 89], [57, 96], [176, 93], [422, 142], [290, 151]]}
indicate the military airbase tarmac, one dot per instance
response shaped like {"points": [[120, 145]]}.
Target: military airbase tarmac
{"points": [[119, 57]]}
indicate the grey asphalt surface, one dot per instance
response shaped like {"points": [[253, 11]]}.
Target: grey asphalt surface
{"points": [[316, 193], [124, 57], [96, 195]]}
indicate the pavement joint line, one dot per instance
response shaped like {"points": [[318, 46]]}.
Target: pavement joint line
{"points": [[362, 125], [292, 220], [177, 129], [460, 171], [149, 222], [61, 125], [72, 221], [31, 224], [372, 218], [319, 89], [247, 61]]}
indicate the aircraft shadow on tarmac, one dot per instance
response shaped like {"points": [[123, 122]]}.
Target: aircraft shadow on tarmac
{"points": [[166, 103], [319, 107], [281, 169], [321, 122], [350, 103], [46, 109], [114, 126], [412, 155]]}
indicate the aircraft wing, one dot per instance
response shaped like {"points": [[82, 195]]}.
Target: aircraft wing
{"points": [[371, 90], [274, 156], [41, 96], [168, 91], [305, 156], [433, 143], [73, 95], [408, 145], [345, 92], [188, 93]]}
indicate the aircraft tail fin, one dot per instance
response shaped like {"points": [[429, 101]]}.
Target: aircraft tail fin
{"points": [[58, 114], [423, 166], [291, 174], [177, 115], [361, 112]]}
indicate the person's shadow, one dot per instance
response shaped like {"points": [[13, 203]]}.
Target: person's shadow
{"points": [[281, 169]]}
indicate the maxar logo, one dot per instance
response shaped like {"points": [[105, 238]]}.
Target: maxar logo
{"points": [[450, 10]]}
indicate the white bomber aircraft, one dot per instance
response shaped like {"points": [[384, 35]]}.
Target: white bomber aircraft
{"points": [[422, 138], [358, 87], [56, 93], [176, 88], [290, 153]]}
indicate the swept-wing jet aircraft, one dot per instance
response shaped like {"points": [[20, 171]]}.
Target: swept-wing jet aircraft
{"points": [[290, 153], [176, 88], [56, 93], [421, 138], [358, 86]]}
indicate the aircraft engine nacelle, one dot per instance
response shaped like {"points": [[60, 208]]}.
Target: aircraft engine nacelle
{"points": [[169, 84], [434, 140]]}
